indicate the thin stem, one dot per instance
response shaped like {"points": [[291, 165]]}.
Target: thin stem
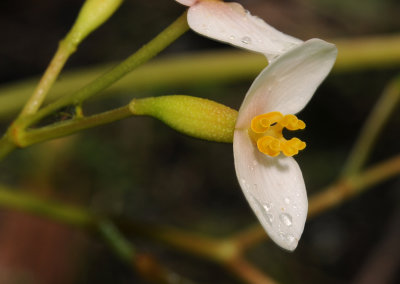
{"points": [[377, 119], [248, 272], [12, 199], [203, 246], [353, 185], [148, 51], [116, 241], [64, 128], [65, 49]]}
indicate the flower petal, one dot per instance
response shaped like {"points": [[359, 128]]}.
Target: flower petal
{"points": [[186, 2], [231, 23], [275, 190], [288, 83]]}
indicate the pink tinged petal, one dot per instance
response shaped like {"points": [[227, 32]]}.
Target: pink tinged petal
{"points": [[231, 23], [288, 83], [186, 2], [275, 190]]}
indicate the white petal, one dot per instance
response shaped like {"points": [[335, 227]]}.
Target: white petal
{"points": [[275, 190], [288, 83], [186, 2], [231, 23]]}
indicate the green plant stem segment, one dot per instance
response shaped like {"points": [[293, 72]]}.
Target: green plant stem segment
{"points": [[17, 200], [148, 51], [196, 117], [68, 127], [65, 49], [377, 119], [92, 14], [74, 216]]}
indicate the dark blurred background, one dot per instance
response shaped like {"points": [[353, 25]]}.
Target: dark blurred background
{"points": [[140, 169]]}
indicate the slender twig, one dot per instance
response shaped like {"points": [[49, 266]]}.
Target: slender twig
{"points": [[65, 49], [68, 127], [378, 117], [248, 272]]}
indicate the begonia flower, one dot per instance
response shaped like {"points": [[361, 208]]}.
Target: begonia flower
{"points": [[269, 177]]}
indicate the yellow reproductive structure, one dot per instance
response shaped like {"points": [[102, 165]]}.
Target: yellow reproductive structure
{"points": [[266, 132]]}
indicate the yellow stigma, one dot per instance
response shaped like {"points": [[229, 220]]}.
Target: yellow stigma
{"points": [[266, 132]]}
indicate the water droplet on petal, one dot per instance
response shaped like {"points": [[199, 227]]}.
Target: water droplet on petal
{"points": [[285, 219], [290, 238], [287, 200], [270, 218], [246, 40], [267, 206], [232, 37]]}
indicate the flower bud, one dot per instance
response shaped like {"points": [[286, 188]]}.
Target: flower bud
{"points": [[196, 117], [92, 14]]}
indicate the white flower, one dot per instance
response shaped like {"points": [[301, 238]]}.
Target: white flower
{"points": [[272, 181], [270, 178]]}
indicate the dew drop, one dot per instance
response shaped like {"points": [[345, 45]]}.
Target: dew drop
{"points": [[287, 200], [286, 219], [232, 37], [267, 206], [246, 40], [270, 218], [290, 238]]}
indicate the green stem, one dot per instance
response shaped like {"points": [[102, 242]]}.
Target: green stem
{"points": [[116, 241], [65, 49], [148, 51], [12, 199], [7, 145], [372, 127], [60, 129], [75, 216]]}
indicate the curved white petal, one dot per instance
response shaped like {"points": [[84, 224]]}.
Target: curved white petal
{"points": [[186, 2], [231, 23], [275, 190], [288, 83]]}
